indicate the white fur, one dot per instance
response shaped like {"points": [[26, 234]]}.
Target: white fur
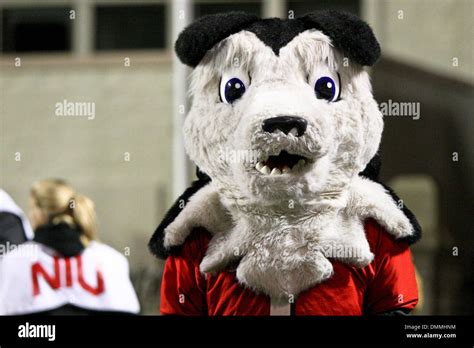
{"points": [[284, 255], [204, 209], [370, 200], [283, 228]]}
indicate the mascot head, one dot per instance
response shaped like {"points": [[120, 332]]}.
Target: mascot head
{"points": [[281, 109], [283, 121]]}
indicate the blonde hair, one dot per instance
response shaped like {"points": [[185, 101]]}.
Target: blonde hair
{"points": [[61, 203]]}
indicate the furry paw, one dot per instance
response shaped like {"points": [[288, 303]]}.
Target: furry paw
{"points": [[215, 262], [175, 234]]}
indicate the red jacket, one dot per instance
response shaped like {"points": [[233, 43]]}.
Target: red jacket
{"points": [[386, 284]]}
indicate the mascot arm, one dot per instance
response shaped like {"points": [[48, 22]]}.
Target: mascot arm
{"points": [[162, 248], [391, 291], [157, 241]]}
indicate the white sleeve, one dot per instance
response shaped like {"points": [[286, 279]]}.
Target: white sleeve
{"points": [[2, 288]]}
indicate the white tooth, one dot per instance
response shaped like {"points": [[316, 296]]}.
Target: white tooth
{"points": [[265, 170], [259, 166], [285, 169], [275, 171], [294, 132], [301, 162]]}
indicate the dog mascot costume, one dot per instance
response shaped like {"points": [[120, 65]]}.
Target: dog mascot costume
{"points": [[287, 216]]}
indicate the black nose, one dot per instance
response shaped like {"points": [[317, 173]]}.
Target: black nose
{"points": [[285, 124]]}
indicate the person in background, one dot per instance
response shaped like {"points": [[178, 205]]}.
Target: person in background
{"points": [[64, 269], [15, 228]]}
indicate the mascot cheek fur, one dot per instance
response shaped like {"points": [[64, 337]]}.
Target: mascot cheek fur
{"points": [[283, 121]]}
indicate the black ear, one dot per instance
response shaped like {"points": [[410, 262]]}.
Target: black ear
{"points": [[200, 36], [348, 33]]}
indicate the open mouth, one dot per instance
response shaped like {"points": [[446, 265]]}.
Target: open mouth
{"points": [[283, 163]]}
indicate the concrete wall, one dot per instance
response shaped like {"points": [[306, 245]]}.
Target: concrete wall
{"points": [[427, 34], [132, 116]]}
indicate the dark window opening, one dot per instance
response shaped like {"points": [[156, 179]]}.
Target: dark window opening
{"points": [[39, 29], [130, 27]]}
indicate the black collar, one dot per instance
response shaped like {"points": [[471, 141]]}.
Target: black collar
{"points": [[61, 237]]}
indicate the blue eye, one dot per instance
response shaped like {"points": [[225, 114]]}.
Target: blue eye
{"points": [[326, 88], [232, 90]]}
